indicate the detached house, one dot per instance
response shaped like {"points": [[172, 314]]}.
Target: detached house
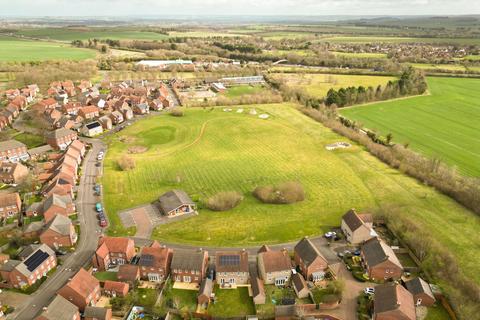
{"points": [[10, 204], [83, 290], [59, 232], [13, 151], [393, 302], [380, 261], [231, 268], [57, 205], [60, 309], [37, 261], [155, 262], [175, 203], [113, 251], [421, 292], [12, 172], [61, 138], [275, 267], [189, 266], [310, 261], [357, 228]]}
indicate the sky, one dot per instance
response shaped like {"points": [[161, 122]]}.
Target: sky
{"points": [[236, 7]]}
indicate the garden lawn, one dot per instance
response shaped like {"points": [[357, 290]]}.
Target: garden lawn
{"points": [[106, 275], [231, 303], [183, 300], [442, 125], [437, 312], [213, 151], [14, 49], [317, 85]]}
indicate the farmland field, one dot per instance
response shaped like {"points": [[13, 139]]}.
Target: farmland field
{"points": [[14, 49], [384, 39], [208, 151], [70, 34], [443, 125], [360, 55], [318, 84]]}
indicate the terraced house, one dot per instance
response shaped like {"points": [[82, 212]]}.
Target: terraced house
{"points": [[112, 251], [37, 261], [13, 151], [61, 138], [231, 268], [10, 205]]}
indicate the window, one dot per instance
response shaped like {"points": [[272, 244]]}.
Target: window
{"points": [[187, 279]]}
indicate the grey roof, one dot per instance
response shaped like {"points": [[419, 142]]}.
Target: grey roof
{"points": [[417, 286], [95, 312], [60, 224], [352, 220], [188, 259], [256, 282], [376, 251], [93, 125], [57, 200], [28, 250], [27, 270], [60, 309], [34, 226], [206, 287], [60, 133], [299, 282], [173, 199], [10, 265], [11, 144], [36, 206], [307, 251]]}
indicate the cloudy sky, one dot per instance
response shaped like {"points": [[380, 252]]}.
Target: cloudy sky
{"points": [[236, 7]]}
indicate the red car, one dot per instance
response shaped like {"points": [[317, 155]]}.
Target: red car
{"points": [[103, 223]]}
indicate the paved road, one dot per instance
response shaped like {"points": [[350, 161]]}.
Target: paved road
{"points": [[89, 233]]}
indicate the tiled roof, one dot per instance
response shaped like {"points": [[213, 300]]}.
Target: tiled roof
{"points": [[391, 296], [83, 283], [11, 144], [276, 260], [188, 259], [307, 251], [60, 309], [171, 200], [376, 251], [231, 261]]}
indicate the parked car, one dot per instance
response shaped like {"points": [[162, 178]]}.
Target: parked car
{"points": [[97, 189], [98, 207], [369, 290], [103, 223], [330, 234]]}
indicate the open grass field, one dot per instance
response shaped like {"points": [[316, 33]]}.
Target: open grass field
{"points": [[238, 91], [70, 34], [317, 85], [443, 125], [208, 151], [14, 49]]}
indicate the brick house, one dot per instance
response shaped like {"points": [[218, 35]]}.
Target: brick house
{"points": [[59, 232], [78, 145], [380, 261], [71, 108], [129, 273], [357, 228], [115, 288], [37, 261], [392, 301], [61, 138], [275, 267], [155, 262], [13, 172], [89, 112], [13, 151], [60, 306], [83, 290], [421, 292], [175, 203], [311, 262], [57, 205], [189, 266], [49, 103], [10, 204], [231, 268], [113, 251]]}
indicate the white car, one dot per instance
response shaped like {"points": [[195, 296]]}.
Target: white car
{"points": [[369, 290], [330, 234], [100, 157]]}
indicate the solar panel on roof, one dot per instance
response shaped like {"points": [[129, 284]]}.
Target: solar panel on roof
{"points": [[146, 260], [230, 260], [35, 260]]}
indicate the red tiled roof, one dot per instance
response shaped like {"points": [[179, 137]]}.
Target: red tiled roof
{"points": [[83, 283], [115, 286], [115, 244]]}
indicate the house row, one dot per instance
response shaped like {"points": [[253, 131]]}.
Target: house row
{"points": [[13, 151], [17, 101]]}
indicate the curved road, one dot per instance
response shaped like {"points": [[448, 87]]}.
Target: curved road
{"points": [[88, 238]]}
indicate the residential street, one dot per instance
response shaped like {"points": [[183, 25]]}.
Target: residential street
{"points": [[89, 233]]}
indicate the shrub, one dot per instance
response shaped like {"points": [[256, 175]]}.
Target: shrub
{"points": [[126, 163], [285, 193], [176, 112], [224, 201]]}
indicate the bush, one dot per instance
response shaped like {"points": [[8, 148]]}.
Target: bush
{"points": [[176, 112], [224, 201], [126, 163], [285, 193]]}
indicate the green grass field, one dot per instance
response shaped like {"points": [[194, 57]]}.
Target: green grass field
{"points": [[14, 49], [443, 125], [70, 34], [208, 151], [30, 140], [317, 85], [238, 91]]}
